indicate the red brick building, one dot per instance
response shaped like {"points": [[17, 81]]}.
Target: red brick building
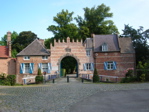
{"points": [[7, 63], [110, 54]]}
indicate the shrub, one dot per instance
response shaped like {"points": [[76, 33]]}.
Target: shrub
{"points": [[39, 79], [95, 76], [39, 72], [129, 79], [142, 77], [11, 79]]}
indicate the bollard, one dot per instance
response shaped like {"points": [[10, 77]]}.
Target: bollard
{"points": [[67, 79], [53, 80], [82, 80]]}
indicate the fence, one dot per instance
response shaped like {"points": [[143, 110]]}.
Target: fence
{"points": [[28, 80]]}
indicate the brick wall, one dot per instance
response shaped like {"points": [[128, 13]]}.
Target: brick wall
{"points": [[7, 65], [123, 61], [33, 59], [78, 51]]}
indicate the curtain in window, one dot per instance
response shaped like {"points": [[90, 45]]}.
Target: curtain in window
{"points": [[92, 66], [21, 68], [84, 66], [40, 66], [31, 69], [49, 67]]}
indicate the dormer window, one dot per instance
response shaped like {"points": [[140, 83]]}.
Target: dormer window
{"points": [[88, 52], [44, 57], [26, 58], [104, 47]]}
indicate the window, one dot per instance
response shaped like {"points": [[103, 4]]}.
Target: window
{"points": [[104, 47], [45, 67], [26, 68], [26, 57], [44, 57], [110, 65], [88, 52], [88, 66]]}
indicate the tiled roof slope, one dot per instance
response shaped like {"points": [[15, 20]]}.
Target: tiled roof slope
{"points": [[110, 40], [125, 45], [4, 52], [34, 49]]}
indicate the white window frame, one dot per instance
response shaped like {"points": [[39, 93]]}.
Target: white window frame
{"points": [[88, 66], [45, 66], [110, 65], [88, 52], [104, 47], [26, 57], [26, 68], [44, 57]]}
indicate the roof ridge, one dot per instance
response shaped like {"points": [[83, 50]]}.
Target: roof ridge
{"points": [[27, 46]]}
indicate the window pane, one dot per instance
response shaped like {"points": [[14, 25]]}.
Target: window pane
{"points": [[45, 67], [26, 67]]}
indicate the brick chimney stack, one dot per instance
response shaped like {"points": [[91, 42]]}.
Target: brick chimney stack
{"points": [[9, 42]]}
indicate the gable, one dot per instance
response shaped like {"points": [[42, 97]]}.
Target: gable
{"points": [[34, 49]]}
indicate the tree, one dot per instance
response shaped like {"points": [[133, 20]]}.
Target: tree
{"points": [[23, 40], [96, 21], [95, 76], [64, 26], [139, 39]]}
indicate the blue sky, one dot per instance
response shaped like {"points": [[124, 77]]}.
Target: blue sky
{"points": [[37, 15]]}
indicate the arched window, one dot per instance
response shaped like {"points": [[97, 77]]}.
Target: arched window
{"points": [[104, 47]]}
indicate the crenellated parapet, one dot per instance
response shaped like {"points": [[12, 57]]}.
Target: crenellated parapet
{"points": [[68, 42]]}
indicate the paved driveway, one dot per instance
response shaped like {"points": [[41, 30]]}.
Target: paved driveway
{"points": [[75, 97]]}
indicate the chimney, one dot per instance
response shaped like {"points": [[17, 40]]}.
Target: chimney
{"points": [[9, 42], [41, 41]]}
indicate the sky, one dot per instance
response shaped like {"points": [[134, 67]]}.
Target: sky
{"points": [[37, 15]]}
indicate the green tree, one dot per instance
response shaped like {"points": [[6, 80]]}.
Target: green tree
{"points": [[3, 41], [64, 27], [23, 40], [96, 21], [139, 38], [95, 76]]}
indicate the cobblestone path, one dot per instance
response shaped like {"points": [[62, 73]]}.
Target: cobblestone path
{"points": [[57, 97]]}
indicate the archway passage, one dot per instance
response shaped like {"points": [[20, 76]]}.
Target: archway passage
{"points": [[69, 66]]}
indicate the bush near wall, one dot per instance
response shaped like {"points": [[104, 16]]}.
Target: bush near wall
{"points": [[39, 79], [10, 80]]}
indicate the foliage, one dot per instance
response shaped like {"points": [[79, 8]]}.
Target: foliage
{"points": [[129, 72], [69, 63], [95, 76], [48, 42], [11, 79], [64, 26], [143, 69], [39, 72], [3, 76], [23, 40], [129, 79], [96, 21], [139, 38], [142, 77], [39, 79]]}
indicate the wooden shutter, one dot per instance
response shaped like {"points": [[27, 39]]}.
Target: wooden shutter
{"points": [[105, 66], [21, 68], [114, 65]]}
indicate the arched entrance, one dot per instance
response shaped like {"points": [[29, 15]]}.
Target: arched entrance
{"points": [[67, 60], [68, 66]]}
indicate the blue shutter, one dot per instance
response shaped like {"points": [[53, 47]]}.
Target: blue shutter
{"points": [[84, 66], [21, 68], [49, 67], [114, 65], [105, 66], [40, 66], [31, 70]]}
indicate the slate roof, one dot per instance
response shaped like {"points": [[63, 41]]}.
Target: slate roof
{"points": [[34, 49], [4, 52], [110, 40], [126, 45]]}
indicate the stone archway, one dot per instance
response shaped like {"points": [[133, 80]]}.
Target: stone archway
{"points": [[68, 55]]}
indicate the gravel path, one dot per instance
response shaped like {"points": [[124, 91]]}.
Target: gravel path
{"points": [[57, 97]]}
